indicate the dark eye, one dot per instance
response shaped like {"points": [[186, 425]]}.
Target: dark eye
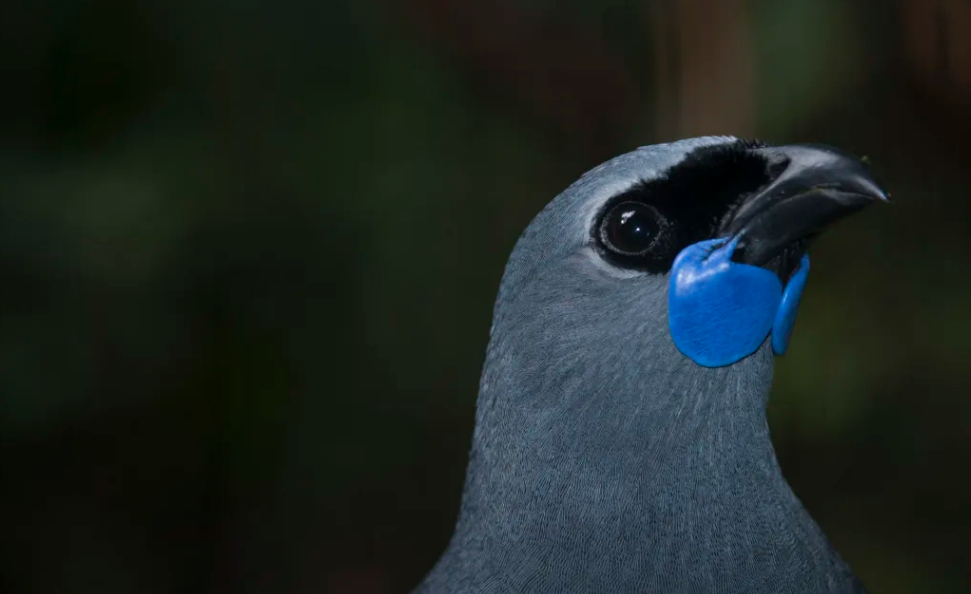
{"points": [[631, 229]]}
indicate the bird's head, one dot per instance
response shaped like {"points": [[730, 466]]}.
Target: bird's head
{"points": [[679, 258], [623, 395]]}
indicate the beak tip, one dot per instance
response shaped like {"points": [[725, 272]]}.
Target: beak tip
{"points": [[878, 194], [867, 186], [871, 186]]}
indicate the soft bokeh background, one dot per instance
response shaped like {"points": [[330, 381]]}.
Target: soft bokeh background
{"points": [[249, 250]]}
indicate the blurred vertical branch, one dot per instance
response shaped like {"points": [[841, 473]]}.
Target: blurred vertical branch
{"points": [[705, 68], [572, 78], [937, 44]]}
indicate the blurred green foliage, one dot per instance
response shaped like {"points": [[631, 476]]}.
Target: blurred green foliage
{"points": [[249, 253]]}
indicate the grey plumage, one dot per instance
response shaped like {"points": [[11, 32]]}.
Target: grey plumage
{"points": [[603, 459]]}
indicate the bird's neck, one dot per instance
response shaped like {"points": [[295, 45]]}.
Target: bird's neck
{"points": [[648, 479], [623, 453]]}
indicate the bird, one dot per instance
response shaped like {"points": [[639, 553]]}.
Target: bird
{"points": [[621, 442]]}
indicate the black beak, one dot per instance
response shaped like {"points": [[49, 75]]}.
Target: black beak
{"points": [[813, 186]]}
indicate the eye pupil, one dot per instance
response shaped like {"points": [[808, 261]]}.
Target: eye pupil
{"points": [[630, 228]]}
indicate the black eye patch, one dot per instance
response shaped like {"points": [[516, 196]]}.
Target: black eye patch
{"points": [[646, 226]]}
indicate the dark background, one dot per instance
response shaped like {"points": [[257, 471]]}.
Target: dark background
{"points": [[249, 251]]}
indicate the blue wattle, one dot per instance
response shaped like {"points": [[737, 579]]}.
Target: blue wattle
{"points": [[785, 317], [721, 311]]}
